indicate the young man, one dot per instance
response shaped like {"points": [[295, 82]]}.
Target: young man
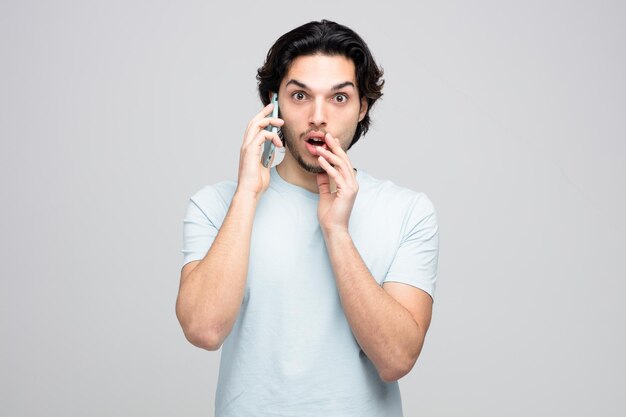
{"points": [[315, 278]]}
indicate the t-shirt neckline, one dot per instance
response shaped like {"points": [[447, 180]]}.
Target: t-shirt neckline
{"points": [[279, 182]]}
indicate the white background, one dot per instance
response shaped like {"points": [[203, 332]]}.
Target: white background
{"points": [[508, 115]]}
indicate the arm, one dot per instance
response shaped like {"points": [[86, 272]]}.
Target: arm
{"points": [[389, 323], [211, 290]]}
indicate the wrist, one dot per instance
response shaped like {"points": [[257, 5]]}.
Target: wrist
{"points": [[246, 196], [336, 232]]}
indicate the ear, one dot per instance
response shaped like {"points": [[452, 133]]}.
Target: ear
{"points": [[363, 109]]}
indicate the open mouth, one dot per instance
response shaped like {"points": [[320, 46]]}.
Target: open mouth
{"points": [[316, 142], [313, 144]]}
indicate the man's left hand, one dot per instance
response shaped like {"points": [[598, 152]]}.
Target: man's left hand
{"points": [[334, 208]]}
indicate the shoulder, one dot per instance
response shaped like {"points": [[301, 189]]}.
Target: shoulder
{"points": [[215, 197], [395, 197]]}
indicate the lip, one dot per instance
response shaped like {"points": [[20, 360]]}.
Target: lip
{"points": [[315, 135], [312, 148]]}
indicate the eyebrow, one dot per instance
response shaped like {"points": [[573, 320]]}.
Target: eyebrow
{"points": [[334, 88]]}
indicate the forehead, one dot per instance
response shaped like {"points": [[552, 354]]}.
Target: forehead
{"points": [[321, 71]]}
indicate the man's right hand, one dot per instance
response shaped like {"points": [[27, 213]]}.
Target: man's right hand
{"points": [[254, 178]]}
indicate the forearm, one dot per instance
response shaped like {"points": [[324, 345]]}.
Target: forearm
{"points": [[211, 295], [384, 329]]}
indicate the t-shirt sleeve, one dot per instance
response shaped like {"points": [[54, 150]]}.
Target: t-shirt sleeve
{"points": [[199, 228], [416, 260]]}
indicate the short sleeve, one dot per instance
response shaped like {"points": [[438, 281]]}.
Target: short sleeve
{"points": [[415, 262], [199, 230]]}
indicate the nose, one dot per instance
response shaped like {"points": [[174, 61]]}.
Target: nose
{"points": [[318, 113]]}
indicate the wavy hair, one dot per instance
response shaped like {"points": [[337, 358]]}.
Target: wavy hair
{"points": [[328, 38]]}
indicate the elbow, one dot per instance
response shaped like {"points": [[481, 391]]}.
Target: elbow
{"points": [[393, 374], [401, 362], [398, 368], [203, 339], [200, 334]]}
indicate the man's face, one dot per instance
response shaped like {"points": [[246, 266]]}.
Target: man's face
{"points": [[318, 95]]}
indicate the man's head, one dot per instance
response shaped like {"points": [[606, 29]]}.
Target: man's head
{"points": [[324, 38]]}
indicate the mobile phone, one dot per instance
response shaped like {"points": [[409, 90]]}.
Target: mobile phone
{"points": [[268, 146]]}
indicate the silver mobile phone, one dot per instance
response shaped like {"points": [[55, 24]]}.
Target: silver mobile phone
{"points": [[268, 146]]}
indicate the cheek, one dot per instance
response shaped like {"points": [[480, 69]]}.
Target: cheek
{"points": [[294, 122], [349, 121], [289, 116], [288, 130]]}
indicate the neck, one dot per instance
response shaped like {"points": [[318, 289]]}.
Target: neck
{"points": [[293, 173], [290, 171]]}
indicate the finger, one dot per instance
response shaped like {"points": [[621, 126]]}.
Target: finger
{"points": [[266, 111], [258, 117], [333, 173], [256, 125], [266, 121], [264, 136], [256, 145], [253, 124], [261, 125], [333, 159], [323, 183], [335, 146], [341, 164]]}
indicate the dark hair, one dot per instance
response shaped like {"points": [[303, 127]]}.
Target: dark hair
{"points": [[328, 38]]}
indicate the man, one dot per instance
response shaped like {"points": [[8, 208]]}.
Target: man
{"points": [[315, 278]]}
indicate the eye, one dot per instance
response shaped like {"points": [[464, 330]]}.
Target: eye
{"points": [[341, 98], [298, 96]]}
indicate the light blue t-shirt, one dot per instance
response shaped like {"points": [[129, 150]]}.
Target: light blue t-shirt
{"points": [[291, 351]]}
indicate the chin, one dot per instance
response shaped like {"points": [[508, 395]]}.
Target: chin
{"points": [[315, 170], [310, 168]]}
